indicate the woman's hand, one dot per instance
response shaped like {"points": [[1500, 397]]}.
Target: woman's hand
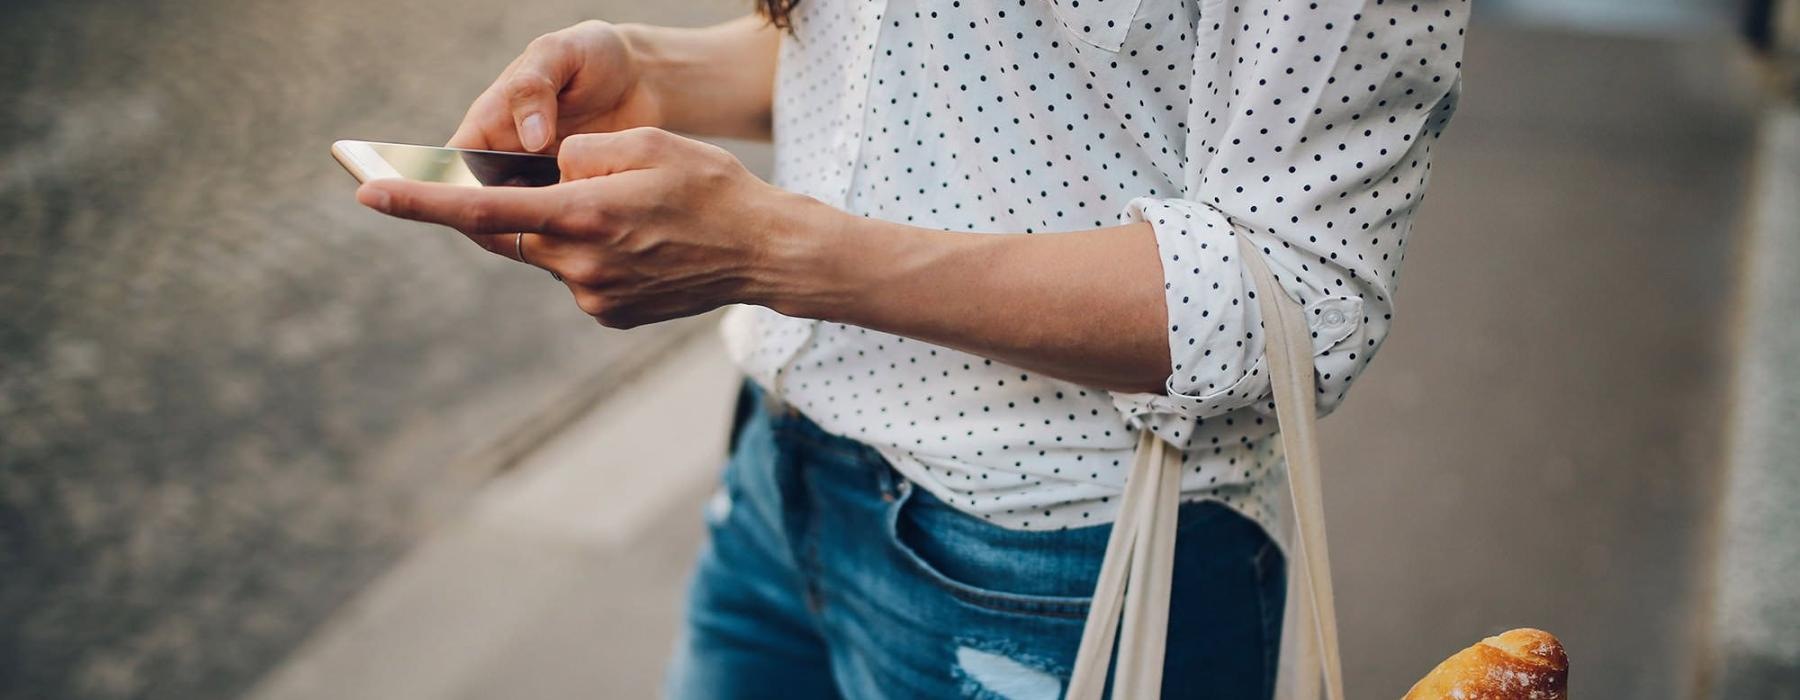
{"points": [[646, 226], [650, 226], [582, 79]]}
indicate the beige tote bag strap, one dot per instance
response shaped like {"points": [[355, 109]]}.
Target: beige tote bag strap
{"points": [[1135, 513], [1288, 347], [1137, 572], [1146, 622]]}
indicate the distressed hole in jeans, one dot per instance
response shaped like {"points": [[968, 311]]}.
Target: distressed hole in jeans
{"points": [[718, 508], [996, 674]]}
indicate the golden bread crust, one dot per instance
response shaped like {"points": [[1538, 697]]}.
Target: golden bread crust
{"points": [[1521, 664]]}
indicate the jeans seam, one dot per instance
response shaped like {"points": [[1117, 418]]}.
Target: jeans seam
{"points": [[1270, 657]]}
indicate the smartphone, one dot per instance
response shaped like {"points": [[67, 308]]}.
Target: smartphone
{"points": [[374, 160]]}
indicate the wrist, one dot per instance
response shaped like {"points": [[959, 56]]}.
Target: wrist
{"points": [[712, 81], [825, 264], [648, 47]]}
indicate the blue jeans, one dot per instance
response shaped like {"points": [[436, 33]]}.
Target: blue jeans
{"points": [[829, 575]]}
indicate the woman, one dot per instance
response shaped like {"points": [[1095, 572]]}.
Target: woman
{"points": [[999, 242]]}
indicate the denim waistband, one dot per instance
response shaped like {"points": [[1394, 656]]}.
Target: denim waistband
{"points": [[790, 424]]}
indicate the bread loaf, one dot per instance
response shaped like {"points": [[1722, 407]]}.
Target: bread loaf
{"points": [[1523, 664]]}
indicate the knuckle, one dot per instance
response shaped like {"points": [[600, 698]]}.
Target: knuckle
{"points": [[586, 272], [615, 317], [713, 152], [547, 41], [574, 150], [582, 141], [714, 170], [577, 219], [650, 139], [722, 159], [477, 218], [592, 303], [527, 85], [401, 204], [486, 243]]}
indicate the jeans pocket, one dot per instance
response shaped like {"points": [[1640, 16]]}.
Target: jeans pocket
{"points": [[1000, 570]]}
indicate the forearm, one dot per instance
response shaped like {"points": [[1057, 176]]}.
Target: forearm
{"points": [[1084, 306], [712, 81]]}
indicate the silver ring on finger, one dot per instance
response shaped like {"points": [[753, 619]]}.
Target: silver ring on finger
{"points": [[519, 252]]}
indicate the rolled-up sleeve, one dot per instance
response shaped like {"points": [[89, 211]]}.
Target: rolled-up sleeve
{"points": [[1310, 130]]}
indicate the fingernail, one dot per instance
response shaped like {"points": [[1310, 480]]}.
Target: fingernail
{"points": [[532, 132]]}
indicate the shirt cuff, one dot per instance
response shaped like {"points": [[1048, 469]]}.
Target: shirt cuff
{"points": [[1216, 353]]}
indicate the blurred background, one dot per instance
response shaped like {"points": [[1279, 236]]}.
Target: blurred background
{"points": [[258, 442]]}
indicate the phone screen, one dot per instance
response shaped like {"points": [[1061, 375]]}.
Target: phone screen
{"points": [[452, 165]]}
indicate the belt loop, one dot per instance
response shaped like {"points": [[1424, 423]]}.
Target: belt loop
{"points": [[894, 485], [884, 480]]}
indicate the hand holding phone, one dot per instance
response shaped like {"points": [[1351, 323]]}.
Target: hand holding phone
{"points": [[647, 225]]}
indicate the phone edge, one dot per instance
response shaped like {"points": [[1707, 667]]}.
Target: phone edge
{"points": [[360, 158], [349, 162]]}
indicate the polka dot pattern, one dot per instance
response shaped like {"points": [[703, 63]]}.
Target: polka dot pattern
{"points": [[1306, 126]]}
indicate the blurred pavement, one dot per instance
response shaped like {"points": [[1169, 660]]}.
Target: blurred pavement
{"points": [[564, 577], [1756, 630]]}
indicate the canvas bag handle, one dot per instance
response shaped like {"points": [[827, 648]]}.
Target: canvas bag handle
{"points": [[1131, 598]]}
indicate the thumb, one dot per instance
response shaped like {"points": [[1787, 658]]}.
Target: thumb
{"points": [[531, 91]]}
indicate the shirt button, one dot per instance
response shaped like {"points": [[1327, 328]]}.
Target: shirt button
{"points": [[1334, 317]]}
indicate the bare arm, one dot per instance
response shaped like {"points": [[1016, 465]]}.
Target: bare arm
{"points": [[1084, 306]]}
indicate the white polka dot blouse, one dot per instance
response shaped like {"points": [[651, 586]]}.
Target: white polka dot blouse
{"points": [[1307, 126]]}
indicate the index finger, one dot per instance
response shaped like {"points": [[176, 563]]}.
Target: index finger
{"points": [[472, 210], [470, 135]]}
